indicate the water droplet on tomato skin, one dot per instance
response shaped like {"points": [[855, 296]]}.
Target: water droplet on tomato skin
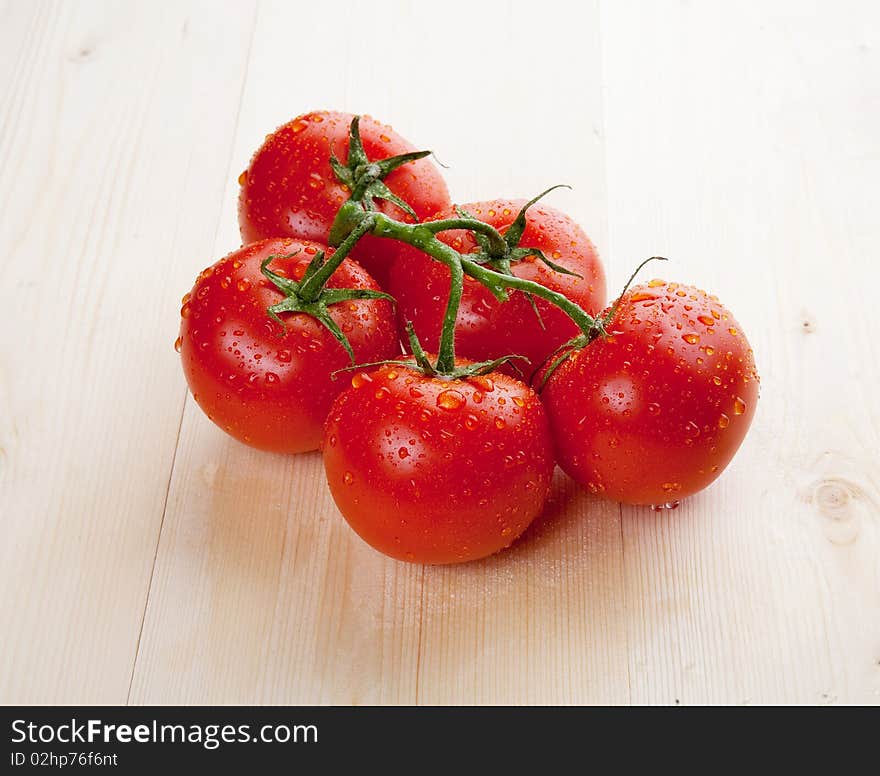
{"points": [[348, 478], [691, 338], [178, 343], [484, 383], [382, 393], [716, 380], [671, 487], [739, 406], [403, 453], [471, 422], [450, 400], [186, 310], [706, 319], [691, 429], [723, 421], [500, 423], [243, 284], [360, 380], [272, 378]]}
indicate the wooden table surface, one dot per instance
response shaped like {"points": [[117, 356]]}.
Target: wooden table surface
{"points": [[147, 558]]}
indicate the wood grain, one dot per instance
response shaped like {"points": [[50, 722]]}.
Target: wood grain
{"points": [[147, 558], [115, 140], [755, 167]]}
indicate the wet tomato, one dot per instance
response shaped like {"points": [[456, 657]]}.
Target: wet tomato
{"points": [[655, 411], [269, 386], [486, 328], [434, 470], [289, 188]]}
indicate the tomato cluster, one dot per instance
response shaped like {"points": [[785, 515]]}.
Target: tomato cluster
{"points": [[441, 421]]}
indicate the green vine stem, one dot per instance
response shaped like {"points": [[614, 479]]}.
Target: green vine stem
{"points": [[490, 266]]}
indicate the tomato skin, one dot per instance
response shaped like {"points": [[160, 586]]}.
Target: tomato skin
{"points": [[268, 388], [290, 190], [486, 328], [656, 411], [430, 470]]}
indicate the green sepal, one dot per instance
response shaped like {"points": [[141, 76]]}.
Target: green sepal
{"points": [[393, 162], [335, 295], [518, 254], [364, 180], [418, 352], [378, 190], [515, 230], [317, 308]]}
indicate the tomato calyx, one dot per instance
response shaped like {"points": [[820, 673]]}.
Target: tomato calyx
{"points": [[299, 299], [598, 329], [364, 178], [421, 362]]}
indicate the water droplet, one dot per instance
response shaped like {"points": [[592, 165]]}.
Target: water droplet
{"points": [[733, 331], [499, 423], [348, 478], [716, 380], [519, 402], [692, 429], [484, 383], [706, 319], [654, 408], [671, 487], [242, 179], [382, 393], [283, 356], [385, 138], [450, 400], [316, 181], [723, 421], [403, 453], [471, 422], [178, 343], [656, 283], [243, 284], [360, 380], [225, 281], [691, 338], [739, 406], [185, 310], [415, 393], [505, 531], [271, 378], [666, 505], [298, 126]]}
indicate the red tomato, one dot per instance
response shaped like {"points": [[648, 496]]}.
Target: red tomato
{"points": [[434, 470], [655, 411], [289, 189], [269, 387], [486, 328]]}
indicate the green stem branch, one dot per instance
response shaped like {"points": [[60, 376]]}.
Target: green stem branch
{"points": [[312, 287]]}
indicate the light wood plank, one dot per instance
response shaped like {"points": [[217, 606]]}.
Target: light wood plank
{"points": [[743, 143], [261, 592], [115, 136]]}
